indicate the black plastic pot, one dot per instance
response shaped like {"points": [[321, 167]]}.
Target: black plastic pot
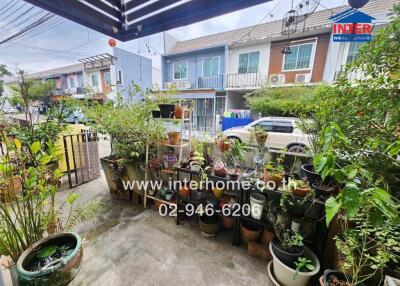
{"points": [[287, 258], [357, 4], [156, 113], [166, 110], [322, 192], [307, 171]]}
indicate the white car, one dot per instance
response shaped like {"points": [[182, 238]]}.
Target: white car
{"points": [[283, 132]]}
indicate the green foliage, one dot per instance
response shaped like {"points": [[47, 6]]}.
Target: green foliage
{"points": [[282, 101], [46, 251], [303, 264], [129, 126], [81, 214]]}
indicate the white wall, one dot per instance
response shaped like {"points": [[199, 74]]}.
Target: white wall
{"points": [[156, 75], [233, 57]]}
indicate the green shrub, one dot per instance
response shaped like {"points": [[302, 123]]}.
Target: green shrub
{"points": [[282, 101]]}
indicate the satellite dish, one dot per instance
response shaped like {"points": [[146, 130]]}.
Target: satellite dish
{"points": [[306, 8], [289, 22]]}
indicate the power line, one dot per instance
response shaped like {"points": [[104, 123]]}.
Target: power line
{"points": [[5, 6], [13, 12]]}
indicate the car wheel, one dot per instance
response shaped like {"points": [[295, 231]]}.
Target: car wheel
{"points": [[235, 138], [297, 149]]}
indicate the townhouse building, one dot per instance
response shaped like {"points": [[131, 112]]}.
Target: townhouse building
{"points": [[217, 71], [99, 77]]}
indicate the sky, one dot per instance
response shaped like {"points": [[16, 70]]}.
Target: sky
{"points": [[68, 42]]}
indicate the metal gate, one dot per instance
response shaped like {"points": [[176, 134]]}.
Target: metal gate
{"points": [[82, 157]]}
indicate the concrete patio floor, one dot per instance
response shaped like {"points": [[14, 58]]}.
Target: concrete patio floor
{"points": [[127, 245]]}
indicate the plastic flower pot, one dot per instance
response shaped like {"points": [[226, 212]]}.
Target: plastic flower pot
{"points": [[166, 110], [58, 272], [195, 167], [257, 202], [324, 279], [323, 191], [285, 275], [286, 257], [308, 171]]}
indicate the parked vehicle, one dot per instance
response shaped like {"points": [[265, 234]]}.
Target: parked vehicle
{"points": [[283, 132]]}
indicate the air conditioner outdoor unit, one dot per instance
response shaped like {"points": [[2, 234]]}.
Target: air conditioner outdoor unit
{"points": [[277, 79], [303, 78], [183, 85]]}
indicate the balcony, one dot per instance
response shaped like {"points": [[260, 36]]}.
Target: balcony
{"points": [[246, 80], [213, 82]]}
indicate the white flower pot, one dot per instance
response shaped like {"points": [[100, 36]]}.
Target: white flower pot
{"points": [[257, 202], [284, 275]]}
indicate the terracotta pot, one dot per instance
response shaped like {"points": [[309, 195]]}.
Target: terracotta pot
{"points": [[184, 192], [174, 138], [277, 179], [267, 236], [181, 112], [157, 204], [224, 144], [227, 221], [249, 232], [255, 249], [261, 138], [301, 192]]}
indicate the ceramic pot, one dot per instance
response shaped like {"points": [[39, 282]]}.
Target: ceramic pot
{"points": [[249, 232], [301, 192], [181, 112], [285, 275], [257, 202], [261, 138], [324, 280], [184, 192], [224, 144], [174, 138], [277, 179], [255, 249], [218, 193], [227, 221], [58, 273], [166, 110], [195, 167]]}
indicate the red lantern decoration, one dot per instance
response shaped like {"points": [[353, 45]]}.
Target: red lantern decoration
{"points": [[112, 43]]}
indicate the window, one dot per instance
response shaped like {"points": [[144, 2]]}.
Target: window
{"points": [[266, 125], [211, 67], [95, 79], [248, 63], [283, 127], [72, 82], [107, 78], [353, 51], [180, 70], [300, 58]]}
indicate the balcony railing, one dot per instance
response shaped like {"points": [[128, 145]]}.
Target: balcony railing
{"points": [[211, 82], [243, 80]]}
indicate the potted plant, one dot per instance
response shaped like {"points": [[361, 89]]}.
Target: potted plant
{"points": [[287, 245], [196, 162], [209, 225], [174, 138], [304, 268], [260, 136], [22, 231], [223, 143], [227, 207], [274, 172], [181, 112], [310, 174], [257, 204], [128, 126], [323, 190], [54, 260], [249, 231], [299, 188], [219, 169]]}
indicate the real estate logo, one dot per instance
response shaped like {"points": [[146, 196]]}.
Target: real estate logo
{"points": [[352, 25]]}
